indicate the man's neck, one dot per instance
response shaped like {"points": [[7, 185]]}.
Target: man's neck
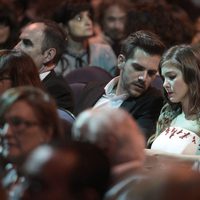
{"points": [[119, 88], [46, 68]]}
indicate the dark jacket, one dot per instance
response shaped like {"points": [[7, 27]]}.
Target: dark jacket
{"points": [[60, 90], [145, 109]]}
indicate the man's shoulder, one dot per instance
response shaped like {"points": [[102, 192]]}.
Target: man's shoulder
{"points": [[53, 79]]}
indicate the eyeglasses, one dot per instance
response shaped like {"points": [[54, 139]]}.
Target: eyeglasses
{"points": [[18, 124]]}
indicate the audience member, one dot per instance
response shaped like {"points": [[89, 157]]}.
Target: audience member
{"points": [[114, 131], [44, 42], [178, 125], [8, 27], [28, 118], [20, 7], [112, 18], [76, 171], [176, 183], [17, 69], [138, 63], [196, 36], [166, 21], [14, 72], [76, 17]]}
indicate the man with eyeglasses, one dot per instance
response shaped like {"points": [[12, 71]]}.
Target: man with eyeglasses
{"points": [[138, 63]]}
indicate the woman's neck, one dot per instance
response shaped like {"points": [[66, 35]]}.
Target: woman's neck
{"points": [[76, 47], [187, 113]]}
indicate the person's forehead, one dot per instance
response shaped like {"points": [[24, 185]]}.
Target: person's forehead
{"points": [[26, 111], [115, 10], [35, 30], [140, 53], [144, 59]]}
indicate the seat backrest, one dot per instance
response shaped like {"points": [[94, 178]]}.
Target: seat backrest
{"points": [[66, 115], [76, 90], [87, 74]]}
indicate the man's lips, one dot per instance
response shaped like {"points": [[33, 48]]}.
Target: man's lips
{"points": [[139, 85]]}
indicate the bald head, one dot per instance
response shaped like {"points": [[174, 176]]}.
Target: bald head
{"points": [[113, 130]]}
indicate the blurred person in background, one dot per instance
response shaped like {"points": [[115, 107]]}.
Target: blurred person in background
{"points": [[76, 17], [74, 171], [112, 19], [17, 69], [118, 135], [28, 118], [9, 29]]}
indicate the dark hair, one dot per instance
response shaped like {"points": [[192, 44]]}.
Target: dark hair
{"points": [[144, 40], [19, 68], [8, 18], [69, 9], [42, 104], [186, 59], [54, 37]]}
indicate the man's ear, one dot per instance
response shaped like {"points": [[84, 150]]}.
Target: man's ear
{"points": [[49, 55], [121, 61]]}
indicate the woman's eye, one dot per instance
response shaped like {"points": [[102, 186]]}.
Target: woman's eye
{"points": [[172, 77], [78, 17]]}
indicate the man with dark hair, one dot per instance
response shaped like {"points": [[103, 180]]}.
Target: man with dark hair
{"points": [[44, 42], [138, 64]]}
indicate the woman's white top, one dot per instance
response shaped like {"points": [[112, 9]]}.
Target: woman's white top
{"points": [[180, 138]]}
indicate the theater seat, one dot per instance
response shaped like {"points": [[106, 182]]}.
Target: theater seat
{"points": [[87, 74], [78, 78]]}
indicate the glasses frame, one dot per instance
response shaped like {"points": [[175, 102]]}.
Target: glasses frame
{"points": [[18, 124]]}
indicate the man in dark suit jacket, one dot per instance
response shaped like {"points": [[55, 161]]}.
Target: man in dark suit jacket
{"points": [[44, 42], [138, 63]]}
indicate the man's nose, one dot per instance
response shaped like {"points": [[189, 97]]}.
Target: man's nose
{"points": [[17, 46], [143, 76], [118, 24]]}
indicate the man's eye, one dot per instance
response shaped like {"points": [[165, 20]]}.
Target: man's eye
{"points": [[27, 42], [138, 68]]}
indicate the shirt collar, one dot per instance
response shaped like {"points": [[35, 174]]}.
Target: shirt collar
{"points": [[43, 75], [110, 88]]}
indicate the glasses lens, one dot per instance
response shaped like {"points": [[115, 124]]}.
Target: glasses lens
{"points": [[16, 121]]}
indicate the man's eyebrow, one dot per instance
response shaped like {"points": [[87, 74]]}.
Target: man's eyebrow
{"points": [[137, 65]]}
